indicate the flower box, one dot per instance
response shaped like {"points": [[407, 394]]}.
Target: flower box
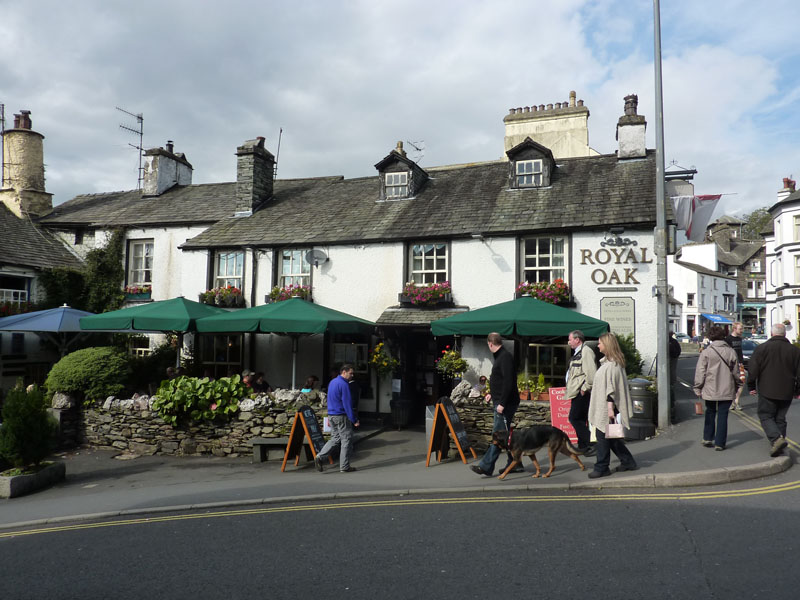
{"points": [[556, 292], [137, 297], [226, 297], [429, 294], [19, 485], [278, 293], [444, 299]]}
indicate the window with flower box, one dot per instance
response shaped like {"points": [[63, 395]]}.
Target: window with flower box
{"points": [[229, 269], [544, 259], [140, 262], [428, 262], [293, 269]]}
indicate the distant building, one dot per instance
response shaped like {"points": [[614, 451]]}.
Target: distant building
{"points": [[783, 261]]}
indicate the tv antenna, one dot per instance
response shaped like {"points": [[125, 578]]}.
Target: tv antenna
{"points": [[140, 132], [419, 150], [277, 154]]}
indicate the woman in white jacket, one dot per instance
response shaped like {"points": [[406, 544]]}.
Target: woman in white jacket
{"points": [[610, 385]]}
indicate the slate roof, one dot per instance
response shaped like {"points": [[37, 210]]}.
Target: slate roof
{"points": [[585, 193], [180, 205], [23, 243], [739, 254], [401, 315], [703, 270]]}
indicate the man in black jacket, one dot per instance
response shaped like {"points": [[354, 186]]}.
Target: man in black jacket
{"points": [[771, 373], [504, 395]]}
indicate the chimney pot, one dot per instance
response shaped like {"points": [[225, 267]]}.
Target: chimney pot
{"points": [[527, 109], [580, 102], [541, 107], [549, 107], [170, 146], [558, 104], [631, 104], [572, 96]]}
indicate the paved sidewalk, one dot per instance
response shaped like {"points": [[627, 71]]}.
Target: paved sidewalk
{"points": [[389, 462]]}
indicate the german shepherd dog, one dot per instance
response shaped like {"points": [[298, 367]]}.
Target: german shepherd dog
{"points": [[530, 441]]}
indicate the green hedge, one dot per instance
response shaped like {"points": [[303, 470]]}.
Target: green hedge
{"points": [[28, 430], [92, 374]]}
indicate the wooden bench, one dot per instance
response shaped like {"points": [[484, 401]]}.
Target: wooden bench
{"points": [[262, 447]]}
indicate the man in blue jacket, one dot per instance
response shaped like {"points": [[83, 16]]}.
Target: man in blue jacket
{"points": [[343, 417]]}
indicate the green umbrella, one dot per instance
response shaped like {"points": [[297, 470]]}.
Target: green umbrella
{"points": [[524, 316], [294, 317], [176, 314]]}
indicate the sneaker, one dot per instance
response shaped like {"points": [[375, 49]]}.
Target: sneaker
{"points": [[778, 446], [719, 448], [348, 470], [596, 474], [736, 407], [318, 463], [707, 444]]}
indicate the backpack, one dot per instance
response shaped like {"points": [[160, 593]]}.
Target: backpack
{"points": [[592, 344]]}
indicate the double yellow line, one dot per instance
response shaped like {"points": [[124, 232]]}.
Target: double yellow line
{"points": [[409, 501]]}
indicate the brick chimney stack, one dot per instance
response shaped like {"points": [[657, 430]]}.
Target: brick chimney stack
{"points": [[23, 183], [255, 168], [788, 188]]}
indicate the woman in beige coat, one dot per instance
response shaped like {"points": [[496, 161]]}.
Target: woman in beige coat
{"points": [[610, 385], [715, 382]]}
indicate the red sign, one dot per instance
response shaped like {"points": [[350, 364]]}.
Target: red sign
{"points": [[559, 412]]}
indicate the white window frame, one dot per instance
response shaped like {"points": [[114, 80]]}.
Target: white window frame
{"points": [[293, 269], [529, 173], [229, 269], [755, 266], [140, 262], [396, 184], [689, 299], [356, 354], [796, 223], [796, 269], [702, 301], [551, 261], [425, 268], [716, 281]]}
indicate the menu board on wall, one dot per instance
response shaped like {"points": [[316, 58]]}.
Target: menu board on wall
{"points": [[620, 314]]}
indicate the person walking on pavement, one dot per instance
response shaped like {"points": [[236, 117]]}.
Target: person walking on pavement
{"points": [[716, 380], [343, 417], [771, 374], [610, 386], [734, 340], [674, 354], [504, 396], [580, 377]]}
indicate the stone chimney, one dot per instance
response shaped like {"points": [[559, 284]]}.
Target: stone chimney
{"points": [[164, 169], [563, 128], [788, 188], [23, 188], [255, 170], [630, 130]]}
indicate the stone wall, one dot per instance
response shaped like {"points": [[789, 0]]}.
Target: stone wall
{"points": [[132, 426]]}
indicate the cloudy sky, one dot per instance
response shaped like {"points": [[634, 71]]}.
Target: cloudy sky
{"points": [[347, 79]]}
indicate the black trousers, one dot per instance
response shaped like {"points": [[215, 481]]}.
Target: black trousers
{"points": [[579, 418], [772, 414]]}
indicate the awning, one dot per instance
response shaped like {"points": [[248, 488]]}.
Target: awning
{"points": [[717, 319]]}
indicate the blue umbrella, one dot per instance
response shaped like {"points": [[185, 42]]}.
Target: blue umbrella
{"points": [[53, 324]]}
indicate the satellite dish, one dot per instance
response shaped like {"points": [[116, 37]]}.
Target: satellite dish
{"points": [[316, 256]]}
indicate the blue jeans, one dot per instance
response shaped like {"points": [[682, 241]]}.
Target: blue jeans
{"points": [[605, 446], [717, 414], [501, 423], [341, 434]]}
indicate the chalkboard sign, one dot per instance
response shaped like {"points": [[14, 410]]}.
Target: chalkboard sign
{"points": [[305, 425], [446, 420]]}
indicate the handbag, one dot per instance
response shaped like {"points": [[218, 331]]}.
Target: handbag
{"points": [[614, 428]]}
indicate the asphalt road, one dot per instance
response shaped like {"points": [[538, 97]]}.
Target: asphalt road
{"points": [[721, 542]]}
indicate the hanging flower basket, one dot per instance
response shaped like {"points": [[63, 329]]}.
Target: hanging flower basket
{"points": [[383, 362]]}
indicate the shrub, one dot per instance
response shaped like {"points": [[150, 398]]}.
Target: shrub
{"points": [[633, 359], [91, 373], [151, 369], [28, 429], [198, 399]]}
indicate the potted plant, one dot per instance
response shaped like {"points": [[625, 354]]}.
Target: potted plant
{"points": [[25, 440], [426, 294], [450, 363], [278, 293], [531, 388], [138, 292], [556, 292], [229, 296]]}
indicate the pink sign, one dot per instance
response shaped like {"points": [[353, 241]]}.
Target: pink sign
{"points": [[559, 412]]}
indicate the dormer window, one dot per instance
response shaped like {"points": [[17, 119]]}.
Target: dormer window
{"points": [[529, 173], [396, 185]]}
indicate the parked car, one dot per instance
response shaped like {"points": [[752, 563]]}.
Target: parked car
{"points": [[748, 345], [683, 338]]}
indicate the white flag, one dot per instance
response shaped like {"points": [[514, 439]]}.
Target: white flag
{"points": [[693, 213]]}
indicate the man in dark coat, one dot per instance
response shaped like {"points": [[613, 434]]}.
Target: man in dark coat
{"points": [[504, 396], [773, 368]]}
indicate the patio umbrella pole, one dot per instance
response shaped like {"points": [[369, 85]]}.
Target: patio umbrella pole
{"points": [[294, 361], [179, 350]]}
